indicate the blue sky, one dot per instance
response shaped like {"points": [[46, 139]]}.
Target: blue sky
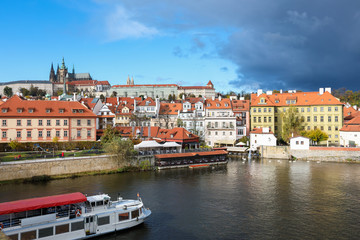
{"points": [[237, 44]]}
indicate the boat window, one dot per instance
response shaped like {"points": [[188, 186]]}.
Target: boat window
{"points": [[103, 220], [14, 237], [28, 235], [93, 204], [62, 229], [140, 210], [33, 213], [123, 216], [46, 232], [135, 214], [99, 203], [77, 225]]}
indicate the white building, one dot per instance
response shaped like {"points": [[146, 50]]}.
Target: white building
{"points": [[350, 133], [220, 123], [193, 116], [262, 137], [299, 143]]}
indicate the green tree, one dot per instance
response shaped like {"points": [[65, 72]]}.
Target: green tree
{"points": [[179, 122], [170, 98], [25, 92], [315, 135], [181, 95], [15, 145], [108, 135], [244, 139], [8, 91], [291, 123], [114, 94], [120, 150]]}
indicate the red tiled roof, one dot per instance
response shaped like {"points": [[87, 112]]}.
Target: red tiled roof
{"points": [[302, 99], [352, 125], [170, 108], [240, 105], [83, 82], [195, 87], [147, 102], [176, 134], [260, 131], [88, 102], [102, 83], [191, 154], [145, 85], [40, 107], [216, 104]]}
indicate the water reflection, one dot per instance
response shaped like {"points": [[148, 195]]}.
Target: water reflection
{"points": [[251, 200]]}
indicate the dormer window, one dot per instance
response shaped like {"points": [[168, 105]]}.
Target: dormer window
{"points": [[4, 110], [226, 105], [218, 105], [172, 135], [19, 110], [208, 105], [81, 110], [61, 110], [48, 110], [31, 110], [74, 111]]}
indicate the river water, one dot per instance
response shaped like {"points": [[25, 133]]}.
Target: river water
{"points": [[243, 200]]}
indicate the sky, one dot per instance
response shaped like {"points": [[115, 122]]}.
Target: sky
{"points": [[240, 45]]}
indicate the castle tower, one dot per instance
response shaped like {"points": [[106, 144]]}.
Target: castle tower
{"points": [[52, 77]]}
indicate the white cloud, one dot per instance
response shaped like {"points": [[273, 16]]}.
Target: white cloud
{"points": [[120, 25]]}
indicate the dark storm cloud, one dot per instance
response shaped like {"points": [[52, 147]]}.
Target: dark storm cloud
{"points": [[301, 44]]}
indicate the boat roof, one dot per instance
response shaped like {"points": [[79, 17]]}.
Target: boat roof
{"points": [[41, 202], [99, 197]]}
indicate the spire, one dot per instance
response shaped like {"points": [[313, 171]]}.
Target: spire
{"points": [[63, 64], [73, 71], [132, 80], [52, 77], [128, 80]]}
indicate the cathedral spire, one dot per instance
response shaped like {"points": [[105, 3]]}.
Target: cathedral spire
{"points": [[63, 64], [52, 77], [73, 71], [132, 80], [128, 80]]}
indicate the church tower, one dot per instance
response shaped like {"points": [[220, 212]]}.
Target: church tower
{"points": [[62, 72], [52, 77]]}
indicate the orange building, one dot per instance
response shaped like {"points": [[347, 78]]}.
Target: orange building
{"points": [[42, 121]]}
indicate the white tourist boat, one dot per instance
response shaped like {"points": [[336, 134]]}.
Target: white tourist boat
{"points": [[69, 216]]}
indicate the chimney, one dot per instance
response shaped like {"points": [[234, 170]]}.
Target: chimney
{"points": [[213, 98], [269, 92], [280, 90], [220, 98], [242, 98], [149, 132], [118, 100], [259, 92], [328, 89], [321, 91], [134, 104], [74, 96]]}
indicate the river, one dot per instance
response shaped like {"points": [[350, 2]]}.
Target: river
{"points": [[243, 200]]}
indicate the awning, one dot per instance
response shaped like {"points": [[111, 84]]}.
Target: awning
{"points": [[148, 144], [226, 142], [42, 202], [171, 144]]}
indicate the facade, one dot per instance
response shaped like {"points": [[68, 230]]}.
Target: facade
{"points": [[350, 133], [17, 85], [318, 110], [192, 116], [299, 143], [147, 107], [124, 110], [207, 91], [220, 123], [241, 110], [168, 115], [42, 121], [262, 137]]}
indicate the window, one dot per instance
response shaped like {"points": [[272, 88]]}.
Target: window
{"points": [[322, 128], [135, 214], [276, 119], [302, 142], [215, 133], [302, 109], [321, 109], [223, 133], [28, 235], [254, 119], [18, 134], [103, 220], [308, 119], [77, 226], [265, 119], [40, 134], [315, 109], [329, 118], [4, 122], [89, 133], [297, 142], [308, 128], [315, 127], [240, 131], [48, 122], [57, 122], [269, 119], [48, 133], [308, 109], [230, 133], [329, 109], [4, 110], [79, 122], [46, 232], [78, 133], [4, 134], [265, 110], [336, 128], [40, 122], [48, 110], [321, 118], [31, 110], [65, 133], [336, 109], [259, 109], [259, 119], [19, 110], [58, 133], [275, 110], [65, 122], [329, 128], [123, 216], [315, 118], [61, 110], [336, 136], [28, 134], [18, 122], [336, 118], [62, 228], [89, 122], [329, 135]]}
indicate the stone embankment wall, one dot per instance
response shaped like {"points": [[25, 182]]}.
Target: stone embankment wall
{"points": [[281, 152], [330, 154]]}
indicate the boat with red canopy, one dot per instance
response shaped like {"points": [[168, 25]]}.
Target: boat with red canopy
{"points": [[69, 216]]}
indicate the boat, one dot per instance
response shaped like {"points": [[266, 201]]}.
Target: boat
{"points": [[70, 216], [199, 165]]}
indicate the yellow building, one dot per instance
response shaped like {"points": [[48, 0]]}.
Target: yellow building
{"points": [[318, 110], [42, 121]]}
